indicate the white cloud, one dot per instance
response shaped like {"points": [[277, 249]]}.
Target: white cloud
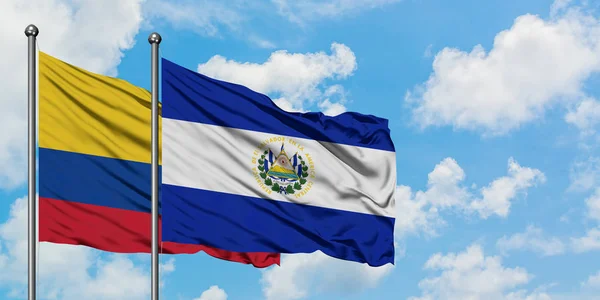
{"points": [[586, 116], [559, 6], [335, 98], [331, 109], [496, 197], [589, 242], [286, 105], [443, 185], [419, 212], [593, 282], [116, 279], [75, 31], [296, 79], [585, 174], [472, 275], [498, 91], [300, 274], [524, 295], [213, 18], [202, 16], [213, 293], [164, 269], [532, 239], [168, 266], [428, 51], [415, 214], [261, 42], [69, 272], [593, 205], [302, 11]]}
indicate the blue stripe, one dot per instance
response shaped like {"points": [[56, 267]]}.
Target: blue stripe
{"points": [[95, 180], [190, 96], [247, 224]]}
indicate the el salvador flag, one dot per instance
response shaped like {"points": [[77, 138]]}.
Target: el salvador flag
{"points": [[240, 174]]}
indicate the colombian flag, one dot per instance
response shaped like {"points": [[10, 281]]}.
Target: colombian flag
{"points": [[94, 165]]}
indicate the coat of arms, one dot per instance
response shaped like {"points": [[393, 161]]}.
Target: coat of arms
{"points": [[282, 173]]}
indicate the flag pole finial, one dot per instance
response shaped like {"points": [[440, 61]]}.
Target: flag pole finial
{"points": [[154, 38], [31, 30]]}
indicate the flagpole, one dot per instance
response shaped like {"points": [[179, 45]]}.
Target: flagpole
{"points": [[154, 39], [31, 32]]}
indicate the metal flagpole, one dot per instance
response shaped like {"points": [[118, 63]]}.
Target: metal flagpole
{"points": [[31, 32], [154, 39]]}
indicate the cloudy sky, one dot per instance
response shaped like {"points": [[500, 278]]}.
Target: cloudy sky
{"points": [[493, 107]]}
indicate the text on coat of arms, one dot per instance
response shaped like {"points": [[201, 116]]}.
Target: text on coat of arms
{"points": [[280, 172]]}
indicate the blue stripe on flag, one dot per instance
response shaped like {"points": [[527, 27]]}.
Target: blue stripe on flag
{"points": [[95, 180], [247, 224], [190, 96]]}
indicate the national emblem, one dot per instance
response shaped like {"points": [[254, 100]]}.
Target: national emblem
{"points": [[281, 173]]}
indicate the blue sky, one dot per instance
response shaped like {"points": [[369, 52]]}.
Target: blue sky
{"points": [[492, 107]]}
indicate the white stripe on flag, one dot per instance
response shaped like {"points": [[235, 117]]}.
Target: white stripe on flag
{"points": [[220, 159]]}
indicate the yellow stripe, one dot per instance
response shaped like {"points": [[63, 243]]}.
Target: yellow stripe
{"points": [[87, 113]]}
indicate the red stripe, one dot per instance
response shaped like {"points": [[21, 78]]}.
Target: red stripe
{"points": [[121, 231]]}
